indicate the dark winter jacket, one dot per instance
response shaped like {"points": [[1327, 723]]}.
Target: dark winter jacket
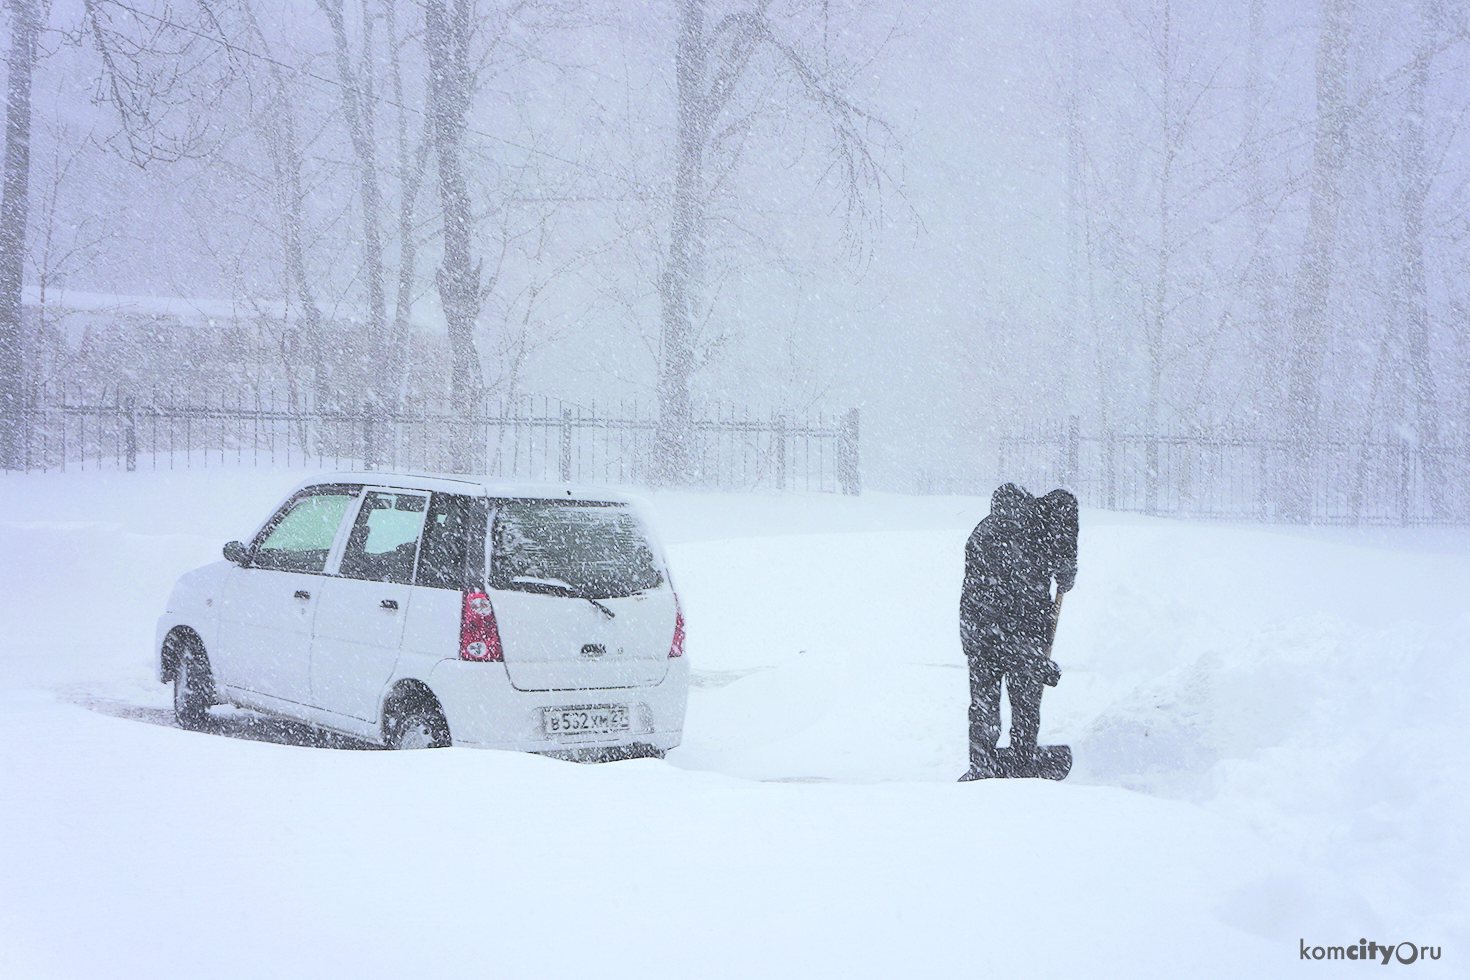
{"points": [[1009, 563]]}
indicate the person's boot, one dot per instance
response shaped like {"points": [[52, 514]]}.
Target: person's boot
{"points": [[983, 765]]}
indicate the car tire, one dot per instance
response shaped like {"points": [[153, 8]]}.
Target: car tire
{"points": [[416, 723], [193, 689]]}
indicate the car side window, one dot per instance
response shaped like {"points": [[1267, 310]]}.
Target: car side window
{"points": [[452, 555], [384, 540], [300, 538]]}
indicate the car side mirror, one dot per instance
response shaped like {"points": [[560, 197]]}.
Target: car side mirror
{"points": [[236, 552]]}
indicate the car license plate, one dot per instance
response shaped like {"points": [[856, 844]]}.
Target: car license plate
{"points": [[597, 719]]}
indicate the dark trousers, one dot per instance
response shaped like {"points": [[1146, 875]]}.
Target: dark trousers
{"points": [[991, 660]]}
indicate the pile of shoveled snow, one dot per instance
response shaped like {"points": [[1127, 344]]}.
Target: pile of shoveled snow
{"points": [[1322, 697], [1346, 744]]}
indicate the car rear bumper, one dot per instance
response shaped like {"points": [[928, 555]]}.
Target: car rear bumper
{"points": [[484, 710]]}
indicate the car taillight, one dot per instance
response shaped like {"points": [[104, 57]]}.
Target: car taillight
{"points": [[676, 649], [479, 637]]}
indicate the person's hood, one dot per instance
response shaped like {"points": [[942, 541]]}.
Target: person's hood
{"points": [[1009, 503]]}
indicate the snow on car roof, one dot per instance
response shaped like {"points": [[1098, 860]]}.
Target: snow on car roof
{"points": [[451, 483]]}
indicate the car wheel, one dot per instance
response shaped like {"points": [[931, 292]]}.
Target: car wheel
{"points": [[417, 724], [192, 689]]}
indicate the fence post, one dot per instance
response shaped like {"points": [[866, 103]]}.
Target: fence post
{"points": [[1406, 491], [27, 430], [130, 437], [566, 445], [1263, 478], [1070, 471], [781, 452], [1112, 469], [1183, 479], [367, 436], [849, 474], [1151, 472]]}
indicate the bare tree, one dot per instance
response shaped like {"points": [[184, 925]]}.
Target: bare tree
{"points": [[14, 212], [1308, 314], [357, 85], [447, 33], [64, 235], [1411, 289], [1408, 150], [166, 74], [305, 341], [64, 239], [713, 65], [1261, 275], [411, 166], [1154, 184]]}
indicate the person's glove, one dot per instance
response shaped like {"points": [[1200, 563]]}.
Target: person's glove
{"points": [[1066, 579], [1049, 672]]}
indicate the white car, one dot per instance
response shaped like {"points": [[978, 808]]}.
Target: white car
{"points": [[419, 612]]}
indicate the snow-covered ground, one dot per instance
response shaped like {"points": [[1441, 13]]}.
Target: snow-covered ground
{"points": [[1270, 728]]}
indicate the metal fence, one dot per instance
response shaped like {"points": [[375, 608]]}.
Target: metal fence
{"points": [[1238, 478], [537, 439]]}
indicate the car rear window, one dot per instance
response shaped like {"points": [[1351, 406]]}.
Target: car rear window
{"points": [[596, 551]]}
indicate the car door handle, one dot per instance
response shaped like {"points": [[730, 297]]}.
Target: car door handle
{"points": [[389, 603], [302, 594]]}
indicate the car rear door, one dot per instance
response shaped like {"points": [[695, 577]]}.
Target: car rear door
{"points": [[580, 598], [359, 623], [269, 602]]}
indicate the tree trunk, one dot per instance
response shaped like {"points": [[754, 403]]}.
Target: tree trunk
{"points": [[306, 338], [679, 286], [1261, 275], [1269, 340], [447, 39], [1411, 291], [310, 329], [410, 176], [1071, 362], [1309, 320], [357, 107], [14, 211], [1156, 331]]}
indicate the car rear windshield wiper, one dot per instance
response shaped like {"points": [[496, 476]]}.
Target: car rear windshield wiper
{"points": [[544, 586]]}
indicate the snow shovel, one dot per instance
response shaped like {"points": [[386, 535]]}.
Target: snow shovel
{"points": [[1050, 673], [1052, 762], [1056, 615]]}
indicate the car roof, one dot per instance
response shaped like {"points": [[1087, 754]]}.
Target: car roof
{"points": [[449, 483]]}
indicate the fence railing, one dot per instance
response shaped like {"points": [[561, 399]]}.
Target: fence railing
{"points": [[1239, 478], [534, 439]]}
